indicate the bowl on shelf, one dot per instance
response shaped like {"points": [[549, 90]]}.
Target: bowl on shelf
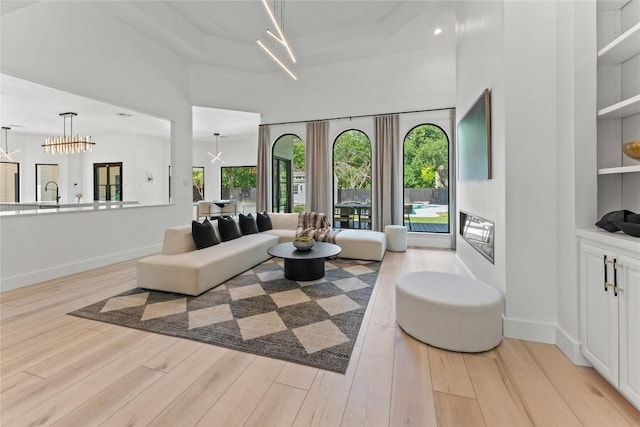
{"points": [[630, 228], [632, 149], [303, 243]]}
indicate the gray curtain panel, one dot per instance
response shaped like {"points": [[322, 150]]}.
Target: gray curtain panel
{"points": [[318, 169], [263, 178], [387, 182]]}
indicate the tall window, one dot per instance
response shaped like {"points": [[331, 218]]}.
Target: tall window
{"points": [[107, 181], [426, 179], [45, 174], [197, 179], [288, 181], [352, 180], [9, 182], [239, 183]]}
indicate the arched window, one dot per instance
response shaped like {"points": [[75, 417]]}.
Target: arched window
{"points": [[352, 180], [426, 179], [288, 181]]}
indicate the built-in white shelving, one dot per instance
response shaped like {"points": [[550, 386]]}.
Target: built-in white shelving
{"points": [[618, 59], [620, 169], [622, 48], [625, 108]]}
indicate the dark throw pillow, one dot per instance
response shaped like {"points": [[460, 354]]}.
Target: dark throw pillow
{"points": [[203, 234], [247, 224], [264, 222], [228, 228]]}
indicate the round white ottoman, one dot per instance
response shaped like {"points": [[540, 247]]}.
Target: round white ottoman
{"points": [[449, 311], [396, 237]]}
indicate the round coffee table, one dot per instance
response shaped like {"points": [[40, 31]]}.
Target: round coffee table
{"points": [[304, 265]]}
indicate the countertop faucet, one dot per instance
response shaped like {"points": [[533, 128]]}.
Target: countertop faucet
{"points": [[46, 187]]}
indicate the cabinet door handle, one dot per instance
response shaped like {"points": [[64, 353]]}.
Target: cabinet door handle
{"points": [[615, 279], [605, 272]]}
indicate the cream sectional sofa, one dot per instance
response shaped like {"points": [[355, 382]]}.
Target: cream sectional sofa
{"points": [[181, 268], [355, 244]]}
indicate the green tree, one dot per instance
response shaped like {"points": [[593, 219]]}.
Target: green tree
{"points": [[352, 160], [243, 177], [425, 155], [298, 155]]}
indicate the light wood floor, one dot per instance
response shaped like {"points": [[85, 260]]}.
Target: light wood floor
{"points": [[65, 371]]}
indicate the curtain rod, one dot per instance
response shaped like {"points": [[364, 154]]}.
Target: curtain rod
{"points": [[357, 117]]}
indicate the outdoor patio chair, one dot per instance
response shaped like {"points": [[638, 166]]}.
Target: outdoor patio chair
{"points": [[364, 218], [342, 216], [408, 211]]}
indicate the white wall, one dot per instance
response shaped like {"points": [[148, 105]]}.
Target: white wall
{"points": [[500, 47], [389, 84], [480, 65], [576, 150], [76, 47]]}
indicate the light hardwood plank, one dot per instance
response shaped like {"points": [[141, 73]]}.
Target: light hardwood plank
{"points": [[589, 405], [412, 400], [71, 355], [200, 396], [278, 407], [544, 404], [140, 410], [32, 358], [237, 404], [62, 403], [12, 335], [32, 396], [15, 383], [370, 396], [449, 373], [327, 397], [631, 414], [384, 305], [101, 406], [497, 396], [39, 341], [457, 411], [171, 357], [299, 376]]}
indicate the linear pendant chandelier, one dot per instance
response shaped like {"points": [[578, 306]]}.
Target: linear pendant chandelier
{"points": [[279, 38], [68, 144]]}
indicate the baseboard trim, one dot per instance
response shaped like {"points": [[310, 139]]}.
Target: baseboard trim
{"points": [[570, 347], [430, 240], [529, 330], [20, 281], [461, 267]]}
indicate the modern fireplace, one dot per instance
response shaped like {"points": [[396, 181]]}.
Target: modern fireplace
{"points": [[478, 232]]}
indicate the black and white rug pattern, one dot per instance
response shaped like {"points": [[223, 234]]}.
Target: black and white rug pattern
{"points": [[312, 323]]}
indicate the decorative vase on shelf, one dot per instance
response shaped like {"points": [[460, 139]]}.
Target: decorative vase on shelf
{"points": [[632, 149]]}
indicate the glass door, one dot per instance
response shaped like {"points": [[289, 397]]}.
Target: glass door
{"points": [[107, 181], [9, 182], [282, 183]]}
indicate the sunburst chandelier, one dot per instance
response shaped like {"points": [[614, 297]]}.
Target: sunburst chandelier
{"points": [[6, 154], [218, 155], [68, 144]]}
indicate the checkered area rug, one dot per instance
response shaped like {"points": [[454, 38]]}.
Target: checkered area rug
{"points": [[312, 323]]}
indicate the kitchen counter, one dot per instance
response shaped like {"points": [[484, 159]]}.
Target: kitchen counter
{"points": [[37, 208]]}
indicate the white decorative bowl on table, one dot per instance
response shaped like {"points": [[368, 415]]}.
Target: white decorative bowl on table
{"points": [[303, 246]]}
